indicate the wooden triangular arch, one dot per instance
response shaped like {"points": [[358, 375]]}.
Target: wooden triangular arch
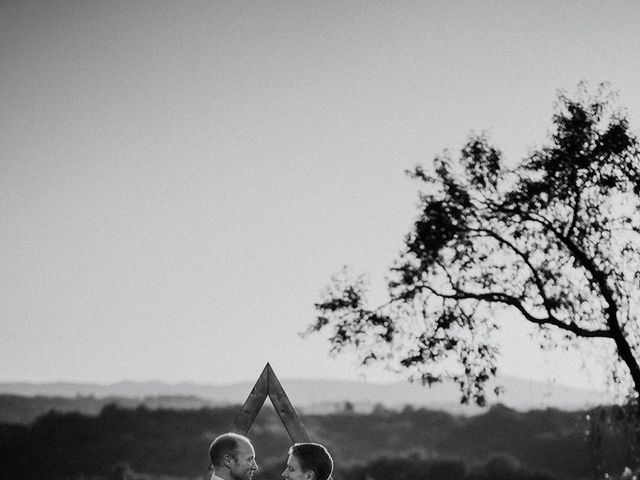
{"points": [[269, 386]]}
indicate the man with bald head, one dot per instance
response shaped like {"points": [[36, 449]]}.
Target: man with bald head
{"points": [[232, 457]]}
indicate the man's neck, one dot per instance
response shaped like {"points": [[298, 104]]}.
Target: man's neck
{"points": [[220, 475]]}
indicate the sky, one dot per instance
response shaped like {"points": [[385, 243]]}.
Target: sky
{"points": [[179, 180]]}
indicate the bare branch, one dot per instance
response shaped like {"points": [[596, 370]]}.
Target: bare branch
{"points": [[499, 297]]}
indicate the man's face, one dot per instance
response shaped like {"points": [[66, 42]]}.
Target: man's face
{"points": [[294, 470], [244, 465]]}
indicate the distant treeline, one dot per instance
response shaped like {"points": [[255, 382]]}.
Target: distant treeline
{"points": [[24, 409], [408, 445]]}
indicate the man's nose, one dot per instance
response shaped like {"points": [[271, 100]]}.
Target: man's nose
{"points": [[255, 466]]}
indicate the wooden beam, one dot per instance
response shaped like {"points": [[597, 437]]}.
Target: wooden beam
{"points": [[268, 385], [285, 410], [252, 405]]}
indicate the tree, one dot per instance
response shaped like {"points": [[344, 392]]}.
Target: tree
{"points": [[554, 241]]}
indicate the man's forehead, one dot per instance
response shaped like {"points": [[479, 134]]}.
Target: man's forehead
{"points": [[245, 448]]}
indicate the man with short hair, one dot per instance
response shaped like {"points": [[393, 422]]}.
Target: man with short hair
{"points": [[308, 461], [232, 457]]}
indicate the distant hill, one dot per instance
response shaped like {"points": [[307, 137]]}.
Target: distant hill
{"points": [[323, 396], [20, 409]]}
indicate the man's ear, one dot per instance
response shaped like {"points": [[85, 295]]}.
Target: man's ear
{"points": [[309, 475]]}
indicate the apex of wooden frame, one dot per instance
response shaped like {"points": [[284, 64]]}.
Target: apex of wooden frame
{"points": [[268, 385]]}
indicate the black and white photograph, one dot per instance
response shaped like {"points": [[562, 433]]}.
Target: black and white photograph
{"points": [[319, 240]]}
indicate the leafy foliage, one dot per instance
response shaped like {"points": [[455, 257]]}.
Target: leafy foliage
{"points": [[554, 240]]}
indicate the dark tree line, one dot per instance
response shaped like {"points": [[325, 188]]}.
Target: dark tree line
{"points": [[552, 443]]}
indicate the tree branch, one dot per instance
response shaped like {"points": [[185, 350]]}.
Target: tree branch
{"points": [[525, 258], [600, 280], [498, 297], [576, 209]]}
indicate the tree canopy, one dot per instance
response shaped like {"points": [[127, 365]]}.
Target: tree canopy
{"points": [[553, 240]]}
